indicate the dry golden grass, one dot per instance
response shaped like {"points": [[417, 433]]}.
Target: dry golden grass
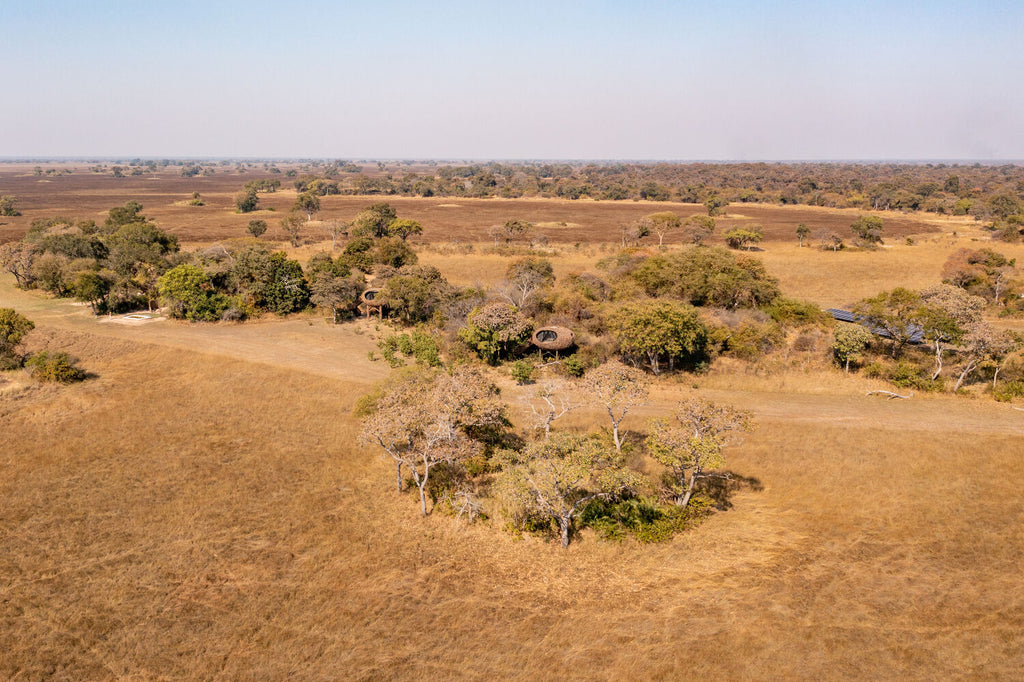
{"points": [[189, 516]]}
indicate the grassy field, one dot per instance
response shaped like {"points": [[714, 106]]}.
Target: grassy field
{"points": [[200, 509]]}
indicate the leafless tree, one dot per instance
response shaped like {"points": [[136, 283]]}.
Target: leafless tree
{"points": [[547, 402], [335, 228], [617, 388]]}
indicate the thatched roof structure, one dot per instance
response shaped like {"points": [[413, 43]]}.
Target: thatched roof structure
{"points": [[371, 298], [553, 338]]}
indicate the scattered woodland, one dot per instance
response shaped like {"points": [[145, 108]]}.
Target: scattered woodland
{"points": [[707, 422]]}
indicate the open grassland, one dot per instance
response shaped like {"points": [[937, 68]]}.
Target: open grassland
{"points": [[200, 509], [165, 194], [194, 515]]}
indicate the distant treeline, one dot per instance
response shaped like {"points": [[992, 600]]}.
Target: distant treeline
{"points": [[984, 191]]}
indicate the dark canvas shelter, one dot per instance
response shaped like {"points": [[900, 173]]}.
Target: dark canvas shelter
{"points": [[916, 333]]}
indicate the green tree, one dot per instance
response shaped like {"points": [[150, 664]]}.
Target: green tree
{"points": [[247, 202], [715, 205], [404, 228], [659, 331], [394, 253], [123, 215], [257, 227], [707, 276], [802, 232], [698, 228], [416, 293], [894, 313], [189, 293], [292, 226], [849, 343], [495, 330], [868, 230], [339, 293], [740, 238], [7, 206], [308, 203], [692, 447], [93, 287], [555, 478], [269, 281], [13, 328], [373, 221]]}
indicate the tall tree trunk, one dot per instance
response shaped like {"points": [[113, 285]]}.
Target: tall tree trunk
{"points": [[398, 475], [938, 360], [689, 490], [564, 523]]}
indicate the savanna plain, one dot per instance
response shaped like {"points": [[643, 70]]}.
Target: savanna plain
{"points": [[201, 508]]}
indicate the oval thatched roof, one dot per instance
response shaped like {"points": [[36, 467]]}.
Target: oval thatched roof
{"points": [[369, 297], [553, 338]]}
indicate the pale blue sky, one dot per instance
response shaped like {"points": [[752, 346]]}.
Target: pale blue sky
{"points": [[553, 80]]}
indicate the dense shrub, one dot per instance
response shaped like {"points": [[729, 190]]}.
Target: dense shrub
{"points": [[54, 367]]}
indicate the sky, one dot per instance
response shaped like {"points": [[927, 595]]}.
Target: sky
{"points": [[644, 80]]}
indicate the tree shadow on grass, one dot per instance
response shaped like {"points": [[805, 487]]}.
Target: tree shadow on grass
{"points": [[720, 488]]}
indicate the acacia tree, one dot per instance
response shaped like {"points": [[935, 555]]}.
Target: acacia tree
{"points": [[308, 203], [662, 223], [692, 446], [556, 477], [740, 238], [618, 389], [403, 228], [425, 419]]}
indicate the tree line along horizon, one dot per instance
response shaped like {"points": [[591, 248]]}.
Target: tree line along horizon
{"points": [[990, 192]]}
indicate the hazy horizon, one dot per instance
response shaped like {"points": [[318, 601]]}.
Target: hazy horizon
{"points": [[600, 81]]}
